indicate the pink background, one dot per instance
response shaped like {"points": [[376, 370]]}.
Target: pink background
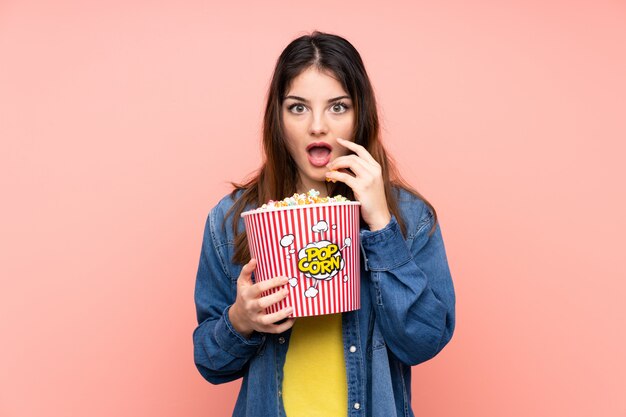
{"points": [[121, 123]]}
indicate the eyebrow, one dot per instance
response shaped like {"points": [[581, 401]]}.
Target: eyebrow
{"points": [[306, 101]]}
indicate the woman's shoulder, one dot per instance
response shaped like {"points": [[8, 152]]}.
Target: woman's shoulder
{"points": [[409, 201], [223, 207], [413, 209], [220, 218], [227, 201]]}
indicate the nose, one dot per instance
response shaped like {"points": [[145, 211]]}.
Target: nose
{"points": [[318, 125]]}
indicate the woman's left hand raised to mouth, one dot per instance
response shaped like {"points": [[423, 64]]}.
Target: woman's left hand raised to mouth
{"points": [[366, 183]]}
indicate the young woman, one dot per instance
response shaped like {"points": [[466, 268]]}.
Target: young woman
{"points": [[321, 124]]}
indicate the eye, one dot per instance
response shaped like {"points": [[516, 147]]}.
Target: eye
{"points": [[297, 108], [340, 107]]}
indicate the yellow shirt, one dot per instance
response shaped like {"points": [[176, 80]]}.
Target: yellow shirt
{"points": [[314, 382]]}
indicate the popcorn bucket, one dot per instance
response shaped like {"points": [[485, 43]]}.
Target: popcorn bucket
{"points": [[317, 246]]}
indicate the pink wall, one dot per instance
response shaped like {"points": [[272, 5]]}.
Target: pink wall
{"points": [[121, 125]]}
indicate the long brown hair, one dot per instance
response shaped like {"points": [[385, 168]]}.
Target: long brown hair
{"points": [[278, 176]]}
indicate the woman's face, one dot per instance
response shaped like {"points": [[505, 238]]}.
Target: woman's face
{"points": [[316, 111]]}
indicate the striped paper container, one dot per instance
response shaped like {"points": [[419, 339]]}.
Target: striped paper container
{"points": [[317, 246]]}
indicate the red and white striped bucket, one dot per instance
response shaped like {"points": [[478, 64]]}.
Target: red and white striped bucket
{"points": [[317, 246]]}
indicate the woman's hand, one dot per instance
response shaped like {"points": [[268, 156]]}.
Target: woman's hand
{"points": [[247, 314], [366, 183]]}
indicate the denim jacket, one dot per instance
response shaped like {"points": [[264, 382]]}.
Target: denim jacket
{"points": [[406, 317]]}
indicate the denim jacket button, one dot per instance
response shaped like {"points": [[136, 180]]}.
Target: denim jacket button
{"points": [[357, 406], [352, 349], [281, 340]]}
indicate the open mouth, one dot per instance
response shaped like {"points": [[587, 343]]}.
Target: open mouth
{"points": [[319, 153]]}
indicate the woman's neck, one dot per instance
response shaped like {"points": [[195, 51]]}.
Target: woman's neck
{"points": [[304, 189]]}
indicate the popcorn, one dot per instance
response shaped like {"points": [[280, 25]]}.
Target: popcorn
{"points": [[311, 197]]}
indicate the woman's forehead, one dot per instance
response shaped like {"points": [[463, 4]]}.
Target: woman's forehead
{"points": [[313, 83]]}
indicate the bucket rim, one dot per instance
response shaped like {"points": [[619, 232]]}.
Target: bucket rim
{"points": [[273, 209]]}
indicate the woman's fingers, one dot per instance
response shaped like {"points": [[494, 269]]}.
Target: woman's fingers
{"points": [[367, 183], [269, 300], [248, 312], [270, 320], [262, 286], [353, 162], [358, 149], [245, 277], [283, 327], [347, 179]]}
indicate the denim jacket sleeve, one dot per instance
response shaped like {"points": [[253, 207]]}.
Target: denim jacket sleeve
{"points": [[221, 354], [411, 285]]}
